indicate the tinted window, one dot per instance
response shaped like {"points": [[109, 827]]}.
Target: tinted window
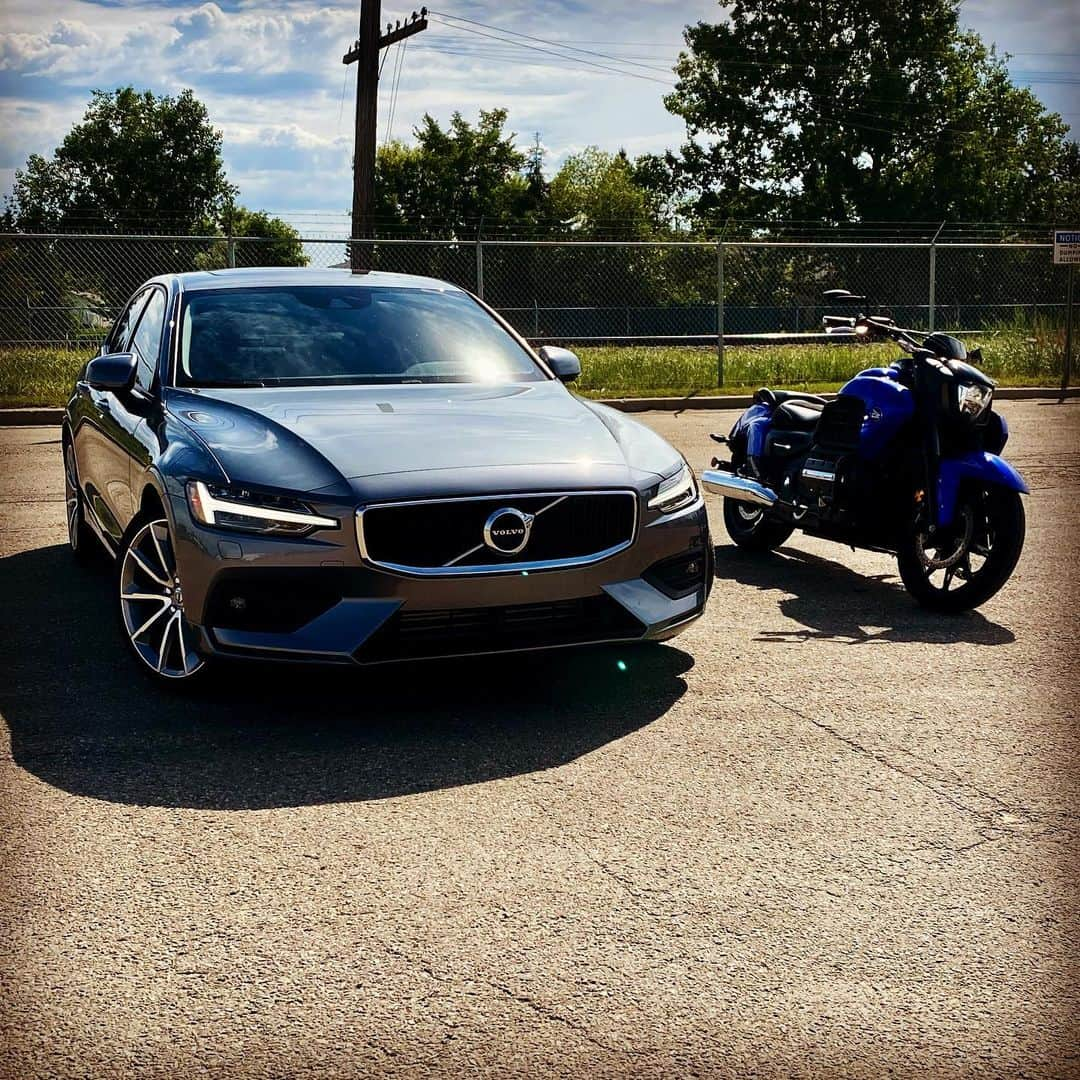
{"points": [[121, 333], [345, 334], [147, 341]]}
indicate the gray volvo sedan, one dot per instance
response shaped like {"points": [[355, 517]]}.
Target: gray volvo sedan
{"points": [[351, 468]]}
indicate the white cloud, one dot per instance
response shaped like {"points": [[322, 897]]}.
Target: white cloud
{"points": [[271, 74]]}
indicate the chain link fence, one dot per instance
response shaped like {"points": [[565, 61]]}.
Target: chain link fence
{"points": [[64, 290]]}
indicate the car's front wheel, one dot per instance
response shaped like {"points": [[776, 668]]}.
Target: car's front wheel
{"points": [[152, 602]]}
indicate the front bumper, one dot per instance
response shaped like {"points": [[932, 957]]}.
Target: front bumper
{"points": [[316, 599]]}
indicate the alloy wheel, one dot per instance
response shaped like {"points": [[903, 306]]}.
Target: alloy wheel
{"points": [[73, 505], [152, 604]]}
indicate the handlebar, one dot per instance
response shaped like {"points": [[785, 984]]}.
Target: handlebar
{"points": [[871, 325]]}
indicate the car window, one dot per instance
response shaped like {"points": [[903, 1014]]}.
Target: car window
{"points": [[313, 335], [120, 336], [146, 344]]}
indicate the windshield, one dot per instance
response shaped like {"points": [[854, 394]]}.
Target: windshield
{"points": [[342, 334]]}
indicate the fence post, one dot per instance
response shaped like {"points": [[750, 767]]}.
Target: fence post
{"points": [[933, 276], [230, 242], [1066, 367], [480, 268], [720, 311]]}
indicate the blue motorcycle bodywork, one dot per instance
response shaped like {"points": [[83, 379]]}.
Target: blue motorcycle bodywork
{"points": [[889, 407], [989, 469]]}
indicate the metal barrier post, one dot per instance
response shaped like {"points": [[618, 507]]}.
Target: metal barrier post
{"points": [[720, 311], [1066, 371], [480, 268]]}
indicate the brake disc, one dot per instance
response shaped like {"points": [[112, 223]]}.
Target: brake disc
{"points": [[950, 551]]}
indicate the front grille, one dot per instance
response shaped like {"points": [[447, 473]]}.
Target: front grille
{"points": [[424, 634], [448, 536]]}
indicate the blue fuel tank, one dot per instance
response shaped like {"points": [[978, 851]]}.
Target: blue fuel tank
{"points": [[889, 406]]}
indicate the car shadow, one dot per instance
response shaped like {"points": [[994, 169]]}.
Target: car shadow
{"points": [[85, 719], [831, 602]]}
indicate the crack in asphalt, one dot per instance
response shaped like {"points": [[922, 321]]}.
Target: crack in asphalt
{"points": [[1001, 808], [534, 1006]]}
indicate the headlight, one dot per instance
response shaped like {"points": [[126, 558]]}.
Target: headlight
{"points": [[973, 398], [675, 492], [239, 509]]}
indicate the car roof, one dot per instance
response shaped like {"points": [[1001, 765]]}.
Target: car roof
{"points": [[259, 277]]}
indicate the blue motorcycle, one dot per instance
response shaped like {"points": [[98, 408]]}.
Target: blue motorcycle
{"points": [[905, 460]]}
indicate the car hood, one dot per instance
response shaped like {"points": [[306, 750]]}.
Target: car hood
{"points": [[414, 438]]}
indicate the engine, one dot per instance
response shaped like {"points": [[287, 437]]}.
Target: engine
{"points": [[823, 484]]}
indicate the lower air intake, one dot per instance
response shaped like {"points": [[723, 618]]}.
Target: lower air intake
{"points": [[424, 634]]}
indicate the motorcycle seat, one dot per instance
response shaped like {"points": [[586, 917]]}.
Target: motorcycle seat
{"points": [[765, 396], [798, 415]]}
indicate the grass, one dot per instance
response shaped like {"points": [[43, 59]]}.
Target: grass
{"points": [[1015, 356]]}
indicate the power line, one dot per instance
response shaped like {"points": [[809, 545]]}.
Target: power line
{"points": [[560, 55], [545, 41], [400, 64]]}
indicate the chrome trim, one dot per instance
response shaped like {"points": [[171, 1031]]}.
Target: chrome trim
{"points": [[819, 474], [718, 482], [452, 570]]}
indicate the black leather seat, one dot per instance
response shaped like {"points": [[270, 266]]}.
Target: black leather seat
{"points": [[801, 415], [765, 396]]}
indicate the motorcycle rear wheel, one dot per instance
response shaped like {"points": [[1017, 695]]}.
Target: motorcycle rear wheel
{"points": [[751, 528], [960, 568]]}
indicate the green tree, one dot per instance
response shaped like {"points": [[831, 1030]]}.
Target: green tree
{"points": [[862, 110], [453, 181], [278, 242], [596, 193], [135, 162]]}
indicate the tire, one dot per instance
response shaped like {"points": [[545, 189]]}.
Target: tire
{"points": [[81, 538], [751, 528], [991, 527], [151, 605]]}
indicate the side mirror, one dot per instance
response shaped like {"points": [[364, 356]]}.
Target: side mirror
{"points": [[842, 296], [113, 371], [563, 362]]}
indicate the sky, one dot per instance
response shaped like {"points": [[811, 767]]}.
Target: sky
{"points": [[271, 75]]}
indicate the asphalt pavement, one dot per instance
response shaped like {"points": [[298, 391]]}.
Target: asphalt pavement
{"points": [[821, 833]]}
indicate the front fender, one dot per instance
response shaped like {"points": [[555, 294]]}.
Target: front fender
{"points": [[988, 469]]}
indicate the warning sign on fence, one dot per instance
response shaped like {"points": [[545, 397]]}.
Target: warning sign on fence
{"points": [[1067, 245]]}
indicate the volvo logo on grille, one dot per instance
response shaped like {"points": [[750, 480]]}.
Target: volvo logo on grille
{"points": [[507, 530]]}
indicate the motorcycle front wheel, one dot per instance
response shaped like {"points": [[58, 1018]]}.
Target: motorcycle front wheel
{"points": [[751, 528], [959, 568]]}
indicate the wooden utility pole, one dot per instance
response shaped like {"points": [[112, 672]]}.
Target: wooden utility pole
{"points": [[365, 53]]}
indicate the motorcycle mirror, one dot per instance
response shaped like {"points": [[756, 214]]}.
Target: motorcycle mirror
{"points": [[842, 296]]}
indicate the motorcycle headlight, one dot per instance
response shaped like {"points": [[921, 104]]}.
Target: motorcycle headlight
{"points": [[228, 508], [676, 492], [973, 399]]}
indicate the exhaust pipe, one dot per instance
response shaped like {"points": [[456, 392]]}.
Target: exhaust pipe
{"points": [[718, 482]]}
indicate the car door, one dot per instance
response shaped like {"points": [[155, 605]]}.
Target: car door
{"points": [[105, 424]]}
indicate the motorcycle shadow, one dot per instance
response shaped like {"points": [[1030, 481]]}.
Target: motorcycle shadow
{"points": [[832, 602]]}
